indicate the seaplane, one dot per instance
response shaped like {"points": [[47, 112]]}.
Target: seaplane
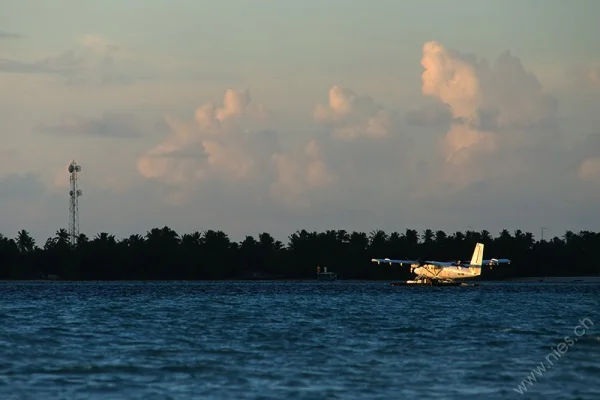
{"points": [[446, 273]]}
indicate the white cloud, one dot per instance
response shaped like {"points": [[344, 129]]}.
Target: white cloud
{"points": [[485, 99], [461, 140], [227, 143], [353, 116], [499, 113], [486, 145], [450, 78], [230, 145]]}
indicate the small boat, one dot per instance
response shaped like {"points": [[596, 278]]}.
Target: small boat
{"points": [[325, 275]]}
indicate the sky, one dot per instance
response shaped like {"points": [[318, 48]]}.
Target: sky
{"points": [[275, 116]]}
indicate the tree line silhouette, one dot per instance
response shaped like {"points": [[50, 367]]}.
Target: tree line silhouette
{"points": [[162, 254]]}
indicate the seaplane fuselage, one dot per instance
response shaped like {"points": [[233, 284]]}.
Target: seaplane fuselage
{"points": [[446, 272]]}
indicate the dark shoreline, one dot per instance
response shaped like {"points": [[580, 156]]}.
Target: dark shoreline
{"points": [[531, 279], [164, 255]]}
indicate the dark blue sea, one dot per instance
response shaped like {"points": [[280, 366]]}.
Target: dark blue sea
{"points": [[298, 340]]}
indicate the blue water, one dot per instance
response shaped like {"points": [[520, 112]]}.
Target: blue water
{"points": [[309, 340]]}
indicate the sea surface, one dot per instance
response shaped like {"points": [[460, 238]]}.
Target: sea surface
{"points": [[298, 340]]}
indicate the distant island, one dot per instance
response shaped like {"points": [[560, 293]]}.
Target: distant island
{"points": [[163, 254]]}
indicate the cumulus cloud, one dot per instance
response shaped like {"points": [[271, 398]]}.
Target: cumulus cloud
{"points": [[353, 116], [111, 124], [340, 163], [223, 142], [450, 78], [230, 146], [493, 123], [366, 149], [492, 105], [462, 139], [485, 100]]}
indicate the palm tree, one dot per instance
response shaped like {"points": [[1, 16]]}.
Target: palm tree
{"points": [[82, 239], [377, 238], [412, 238], [428, 236], [133, 240], [162, 235], [9, 257], [485, 237], [191, 239], [25, 242], [358, 241], [59, 241], [105, 238]]}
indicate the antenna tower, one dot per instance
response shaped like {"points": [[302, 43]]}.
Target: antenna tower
{"points": [[74, 194]]}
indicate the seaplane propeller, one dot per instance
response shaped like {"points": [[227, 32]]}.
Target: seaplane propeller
{"points": [[416, 265]]}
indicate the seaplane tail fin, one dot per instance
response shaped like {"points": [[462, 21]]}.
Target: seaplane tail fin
{"points": [[477, 256]]}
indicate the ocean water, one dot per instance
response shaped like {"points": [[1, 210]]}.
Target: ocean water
{"points": [[298, 340]]}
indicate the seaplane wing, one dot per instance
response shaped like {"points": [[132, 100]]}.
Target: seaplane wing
{"points": [[411, 262], [390, 261], [496, 261]]}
